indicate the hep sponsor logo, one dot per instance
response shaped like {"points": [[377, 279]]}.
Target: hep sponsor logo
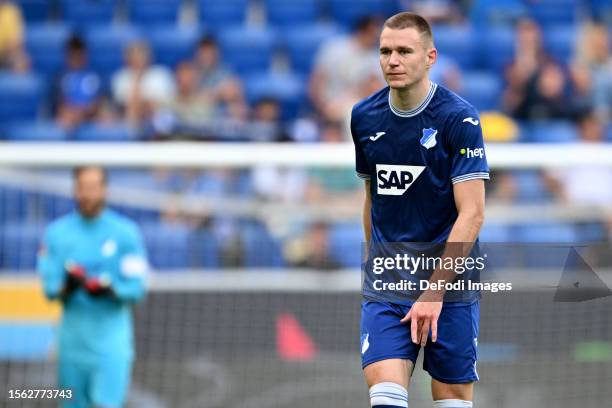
{"points": [[469, 153], [394, 179]]}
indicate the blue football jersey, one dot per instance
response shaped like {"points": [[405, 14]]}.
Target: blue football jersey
{"points": [[413, 159]]}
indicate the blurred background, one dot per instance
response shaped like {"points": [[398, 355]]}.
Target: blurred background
{"points": [[253, 227]]}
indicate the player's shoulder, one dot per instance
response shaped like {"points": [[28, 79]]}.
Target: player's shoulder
{"points": [[121, 223], [61, 224], [452, 106], [372, 104]]}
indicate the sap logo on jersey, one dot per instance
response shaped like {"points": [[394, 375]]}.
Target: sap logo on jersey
{"points": [[394, 179]]}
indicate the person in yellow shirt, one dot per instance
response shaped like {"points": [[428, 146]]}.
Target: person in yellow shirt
{"points": [[11, 33]]}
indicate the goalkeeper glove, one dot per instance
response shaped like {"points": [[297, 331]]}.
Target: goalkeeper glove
{"points": [[99, 286], [75, 277]]}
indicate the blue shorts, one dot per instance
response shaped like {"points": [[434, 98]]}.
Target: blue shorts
{"points": [[451, 359], [103, 384]]}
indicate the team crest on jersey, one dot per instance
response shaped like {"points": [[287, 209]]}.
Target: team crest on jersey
{"points": [[428, 140], [395, 180]]}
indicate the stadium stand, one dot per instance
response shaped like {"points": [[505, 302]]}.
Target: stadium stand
{"points": [[270, 46]]}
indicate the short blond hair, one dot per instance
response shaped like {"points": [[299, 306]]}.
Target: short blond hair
{"points": [[406, 19]]}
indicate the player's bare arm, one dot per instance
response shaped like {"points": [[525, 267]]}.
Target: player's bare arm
{"points": [[423, 316]]}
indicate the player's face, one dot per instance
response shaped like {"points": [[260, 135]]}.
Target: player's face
{"points": [[405, 57], [90, 192]]}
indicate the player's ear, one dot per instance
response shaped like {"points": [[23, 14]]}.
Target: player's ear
{"points": [[431, 55]]}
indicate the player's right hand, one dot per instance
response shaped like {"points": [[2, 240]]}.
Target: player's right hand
{"points": [[423, 317], [75, 276]]}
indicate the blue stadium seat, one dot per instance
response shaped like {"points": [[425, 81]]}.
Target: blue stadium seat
{"points": [[35, 10], [20, 245], [530, 187], [172, 45], [45, 44], [592, 232], [85, 13], [54, 206], [499, 12], [14, 205], [283, 13], [554, 12], [345, 244], [216, 14], [260, 249], [21, 96], [167, 244], [286, 88], [204, 250], [559, 41], [148, 12], [497, 48], [248, 50], [302, 44], [542, 255], [602, 10], [141, 179], [554, 131], [210, 184], [457, 42], [546, 233], [482, 89], [106, 45], [495, 233], [41, 131], [349, 12], [104, 133]]}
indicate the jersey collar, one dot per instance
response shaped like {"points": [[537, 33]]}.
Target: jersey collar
{"points": [[409, 113]]}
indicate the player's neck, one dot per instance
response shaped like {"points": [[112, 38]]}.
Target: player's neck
{"points": [[410, 98]]}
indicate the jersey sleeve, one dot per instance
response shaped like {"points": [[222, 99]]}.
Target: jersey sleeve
{"points": [[361, 164], [467, 152], [133, 268], [49, 267]]}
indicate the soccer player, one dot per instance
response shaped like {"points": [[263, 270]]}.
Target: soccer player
{"points": [[93, 261], [419, 148]]}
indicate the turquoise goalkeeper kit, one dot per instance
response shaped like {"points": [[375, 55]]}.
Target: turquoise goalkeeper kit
{"points": [[95, 347]]}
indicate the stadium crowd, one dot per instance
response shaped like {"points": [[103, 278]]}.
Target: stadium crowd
{"points": [[269, 70]]}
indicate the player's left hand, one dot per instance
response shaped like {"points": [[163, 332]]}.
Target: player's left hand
{"points": [[98, 286], [423, 315]]}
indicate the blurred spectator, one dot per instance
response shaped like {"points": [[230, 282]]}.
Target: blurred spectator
{"points": [[79, 88], [217, 82], [592, 68], [281, 185], [139, 87], [312, 250], [538, 88], [189, 109], [266, 123], [525, 71], [438, 11], [331, 185], [346, 70], [585, 185], [545, 96], [12, 54]]}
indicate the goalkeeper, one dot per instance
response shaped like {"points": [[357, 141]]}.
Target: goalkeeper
{"points": [[93, 261]]}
